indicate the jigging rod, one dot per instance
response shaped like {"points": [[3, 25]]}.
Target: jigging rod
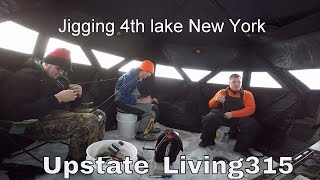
{"points": [[117, 91], [91, 82]]}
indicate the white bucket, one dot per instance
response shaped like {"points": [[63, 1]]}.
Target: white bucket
{"points": [[127, 124], [98, 147]]}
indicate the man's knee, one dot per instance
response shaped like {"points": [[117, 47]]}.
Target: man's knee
{"points": [[211, 117], [90, 120], [148, 115], [249, 124], [99, 113], [156, 110], [90, 116], [155, 107]]}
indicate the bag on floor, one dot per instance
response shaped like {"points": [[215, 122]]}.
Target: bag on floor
{"points": [[169, 145]]}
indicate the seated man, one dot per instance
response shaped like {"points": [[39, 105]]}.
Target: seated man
{"points": [[231, 107], [128, 99], [34, 92]]}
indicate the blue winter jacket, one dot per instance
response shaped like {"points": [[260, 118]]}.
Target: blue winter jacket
{"points": [[126, 84]]}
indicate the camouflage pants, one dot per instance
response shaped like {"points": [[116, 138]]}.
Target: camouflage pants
{"points": [[81, 127]]}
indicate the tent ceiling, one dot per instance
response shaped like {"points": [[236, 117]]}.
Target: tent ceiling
{"points": [[284, 20]]}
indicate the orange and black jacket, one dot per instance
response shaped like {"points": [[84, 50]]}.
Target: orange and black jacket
{"points": [[248, 102]]}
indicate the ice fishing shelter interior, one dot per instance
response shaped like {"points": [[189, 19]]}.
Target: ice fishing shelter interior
{"points": [[281, 66]]}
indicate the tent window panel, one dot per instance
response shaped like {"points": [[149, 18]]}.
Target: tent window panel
{"points": [[17, 38], [107, 60], [195, 75], [263, 79], [167, 72], [77, 55], [130, 65], [308, 76], [223, 77]]}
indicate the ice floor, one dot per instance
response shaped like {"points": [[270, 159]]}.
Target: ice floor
{"points": [[191, 150]]}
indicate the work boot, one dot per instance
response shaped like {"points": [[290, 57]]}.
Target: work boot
{"points": [[206, 143], [147, 137], [154, 130]]}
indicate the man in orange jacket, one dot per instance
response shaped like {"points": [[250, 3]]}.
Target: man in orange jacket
{"points": [[231, 107]]}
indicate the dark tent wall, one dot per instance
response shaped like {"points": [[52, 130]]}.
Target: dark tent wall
{"points": [[187, 101], [11, 59], [277, 109], [298, 53]]}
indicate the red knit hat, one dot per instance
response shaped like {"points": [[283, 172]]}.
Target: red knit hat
{"points": [[59, 57], [147, 65]]}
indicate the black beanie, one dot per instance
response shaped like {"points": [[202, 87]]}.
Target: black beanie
{"points": [[59, 57]]}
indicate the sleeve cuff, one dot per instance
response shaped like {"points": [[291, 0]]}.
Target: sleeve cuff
{"points": [[53, 100]]}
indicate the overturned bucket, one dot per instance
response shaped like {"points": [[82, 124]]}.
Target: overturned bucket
{"points": [[126, 124]]}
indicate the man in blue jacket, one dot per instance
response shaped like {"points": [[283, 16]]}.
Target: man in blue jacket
{"points": [[128, 99]]}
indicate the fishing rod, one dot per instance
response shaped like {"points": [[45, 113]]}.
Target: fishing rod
{"points": [[121, 88], [91, 82], [63, 78], [117, 91]]}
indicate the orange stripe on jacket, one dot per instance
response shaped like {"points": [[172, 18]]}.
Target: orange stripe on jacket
{"points": [[248, 101]]}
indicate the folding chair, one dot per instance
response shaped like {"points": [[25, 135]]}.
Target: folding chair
{"points": [[10, 128]]}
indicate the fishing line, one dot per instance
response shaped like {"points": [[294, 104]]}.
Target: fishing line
{"points": [[90, 82], [117, 91]]}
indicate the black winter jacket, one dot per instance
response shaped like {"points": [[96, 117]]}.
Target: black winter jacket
{"points": [[29, 93]]}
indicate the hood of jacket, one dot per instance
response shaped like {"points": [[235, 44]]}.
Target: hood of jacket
{"points": [[34, 64]]}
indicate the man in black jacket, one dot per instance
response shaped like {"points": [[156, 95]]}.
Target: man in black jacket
{"points": [[35, 92]]}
